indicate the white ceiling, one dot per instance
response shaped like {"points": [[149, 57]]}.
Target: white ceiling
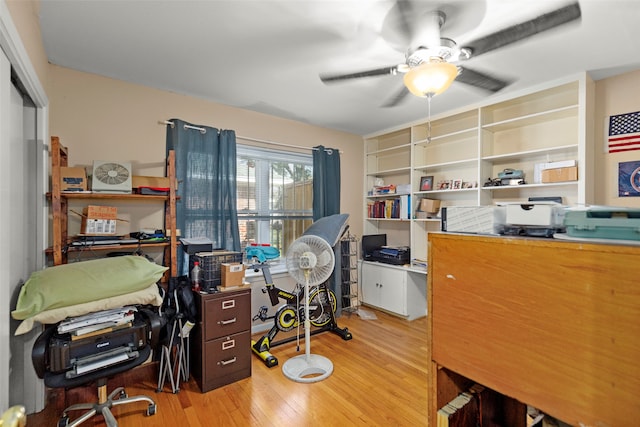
{"points": [[266, 55]]}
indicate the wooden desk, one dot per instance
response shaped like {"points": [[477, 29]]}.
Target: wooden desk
{"points": [[549, 323]]}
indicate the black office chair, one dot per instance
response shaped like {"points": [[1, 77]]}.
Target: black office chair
{"points": [[42, 363]]}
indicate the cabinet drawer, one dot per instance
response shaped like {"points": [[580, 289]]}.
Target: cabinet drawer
{"points": [[226, 314], [227, 360]]}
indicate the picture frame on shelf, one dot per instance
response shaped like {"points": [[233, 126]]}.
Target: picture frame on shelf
{"points": [[445, 184], [457, 184], [426, 183]]}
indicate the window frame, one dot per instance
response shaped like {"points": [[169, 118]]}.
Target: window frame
{"points": [[264, 213]]}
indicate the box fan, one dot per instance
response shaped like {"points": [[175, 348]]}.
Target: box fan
{"points": [[111, 177]]}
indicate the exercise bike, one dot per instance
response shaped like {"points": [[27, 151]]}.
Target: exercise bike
{"points": [[322, 307]]}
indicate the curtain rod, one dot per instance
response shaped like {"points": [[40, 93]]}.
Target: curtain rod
{"points": [[246, 138]]}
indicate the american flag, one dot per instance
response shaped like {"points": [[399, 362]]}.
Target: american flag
{"points": [[624, 132]]}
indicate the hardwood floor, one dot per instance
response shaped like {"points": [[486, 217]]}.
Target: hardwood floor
{"points": [[379, 379]]}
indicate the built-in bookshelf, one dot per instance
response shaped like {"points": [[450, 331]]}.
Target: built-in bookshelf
{"points": [[462, 149]]}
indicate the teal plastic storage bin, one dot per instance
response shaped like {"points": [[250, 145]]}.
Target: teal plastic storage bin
{"points": [[603, 222]]}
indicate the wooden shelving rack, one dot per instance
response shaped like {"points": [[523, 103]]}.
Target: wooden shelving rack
{"points": [[60, 205]]}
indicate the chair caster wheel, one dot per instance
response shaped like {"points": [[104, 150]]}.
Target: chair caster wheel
{"points": [[151, 409], [63, 421], [123, 395]]}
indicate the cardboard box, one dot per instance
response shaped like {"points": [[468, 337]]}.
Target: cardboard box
{"points": [[99, 220], [539, 167], [560, 174], [232, 275], [73, 179], [429, 205]]}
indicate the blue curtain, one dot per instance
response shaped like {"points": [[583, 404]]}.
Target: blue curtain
{"points": [[206, 173], [326, 182], [326, 201]]}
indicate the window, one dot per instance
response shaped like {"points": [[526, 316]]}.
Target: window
{"points": [[275, 195]]}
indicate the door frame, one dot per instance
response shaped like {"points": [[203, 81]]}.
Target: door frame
{"points": [[11, 44]]}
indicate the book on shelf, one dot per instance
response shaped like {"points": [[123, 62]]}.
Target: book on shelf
{"points": [[395, 208], [465, 409], [461, 411]]}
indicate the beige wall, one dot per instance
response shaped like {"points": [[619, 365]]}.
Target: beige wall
{"points": [[615, 95], [24, 14], [99, 118], [106, 119]]}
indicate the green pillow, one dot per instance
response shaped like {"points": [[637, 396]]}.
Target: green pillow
{"points": [[86, 281]]}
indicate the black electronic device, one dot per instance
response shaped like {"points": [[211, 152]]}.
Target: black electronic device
{"points": [[65, 351], [371, 243], [392, 255], [557, 199]]}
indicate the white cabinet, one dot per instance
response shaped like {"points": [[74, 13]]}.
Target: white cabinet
{"points": [[394, 289]]}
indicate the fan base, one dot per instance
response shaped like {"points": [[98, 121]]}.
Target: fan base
{"points": [[307, 368]]}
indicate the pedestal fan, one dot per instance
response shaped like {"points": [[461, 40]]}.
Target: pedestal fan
{"points": [[310, 261]]}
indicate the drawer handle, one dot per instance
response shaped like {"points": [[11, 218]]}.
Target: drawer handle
{"points": [[227, 322], [228, 344], [228, 304], [451, 277], [227, 362]]}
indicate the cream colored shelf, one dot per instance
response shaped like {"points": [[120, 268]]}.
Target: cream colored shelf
{"points": [[533, 106], [389, 219], [452, 191], [386, 196], [390, 171], [525, 186], [433, 220], [564, 149], [445, 165], [450, 136], [532, 119], [448, 127], [390, 149]]}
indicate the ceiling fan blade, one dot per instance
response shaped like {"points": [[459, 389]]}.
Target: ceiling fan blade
{"points": [[481, 80], [330, 78], [525, 29], [396, 98], [398, 28]]}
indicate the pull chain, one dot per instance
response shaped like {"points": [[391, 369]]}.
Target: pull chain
{"points": [[429, 96]]}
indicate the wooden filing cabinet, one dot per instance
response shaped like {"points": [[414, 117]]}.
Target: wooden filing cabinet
{"points": [[221, 339], [549, 323]]}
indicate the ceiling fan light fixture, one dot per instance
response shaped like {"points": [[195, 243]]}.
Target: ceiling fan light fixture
{"points": [[430, 78]]}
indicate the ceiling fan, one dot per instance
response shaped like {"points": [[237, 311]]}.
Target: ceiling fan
{"points": [[431, 61]]}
